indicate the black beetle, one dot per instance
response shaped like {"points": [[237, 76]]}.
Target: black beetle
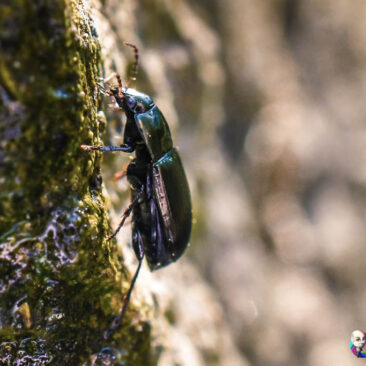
{"points": [[160, 197]]}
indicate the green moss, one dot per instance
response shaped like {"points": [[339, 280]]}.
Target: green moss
{"points": [[60, 281]]}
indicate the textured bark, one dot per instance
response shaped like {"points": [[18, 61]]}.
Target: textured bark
{"points": [[60, 281]]}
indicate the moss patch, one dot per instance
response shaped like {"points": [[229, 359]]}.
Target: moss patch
{"points": [[60, 281]]}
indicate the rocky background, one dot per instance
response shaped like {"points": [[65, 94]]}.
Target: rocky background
{"points": [[264, 100]]}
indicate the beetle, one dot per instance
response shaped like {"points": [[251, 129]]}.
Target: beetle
{"points": [[160, 197]]}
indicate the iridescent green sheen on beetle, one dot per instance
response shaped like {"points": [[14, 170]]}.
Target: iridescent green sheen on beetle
{"points": [[160, 197]]}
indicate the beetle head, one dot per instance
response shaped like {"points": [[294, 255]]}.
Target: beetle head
{"points": [[130, 100], [135, 102]]}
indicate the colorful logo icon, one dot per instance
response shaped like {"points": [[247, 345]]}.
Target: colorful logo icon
{"points": [[358, 341]]}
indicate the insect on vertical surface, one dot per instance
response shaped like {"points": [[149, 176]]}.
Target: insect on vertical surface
{"points": [[160, 198]]}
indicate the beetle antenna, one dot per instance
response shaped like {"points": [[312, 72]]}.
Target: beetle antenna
{"points": [[106, 82], [120, 93], [135, 65]]}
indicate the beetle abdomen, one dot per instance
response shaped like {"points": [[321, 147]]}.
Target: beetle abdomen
{"points": [[172, 196]]}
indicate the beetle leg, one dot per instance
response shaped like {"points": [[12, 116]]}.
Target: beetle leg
{"points": [[118, 320], [124, 148], [121, 174], [127, 212]]}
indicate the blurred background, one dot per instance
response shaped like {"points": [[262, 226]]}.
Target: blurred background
{"points": [[265, 100]]}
